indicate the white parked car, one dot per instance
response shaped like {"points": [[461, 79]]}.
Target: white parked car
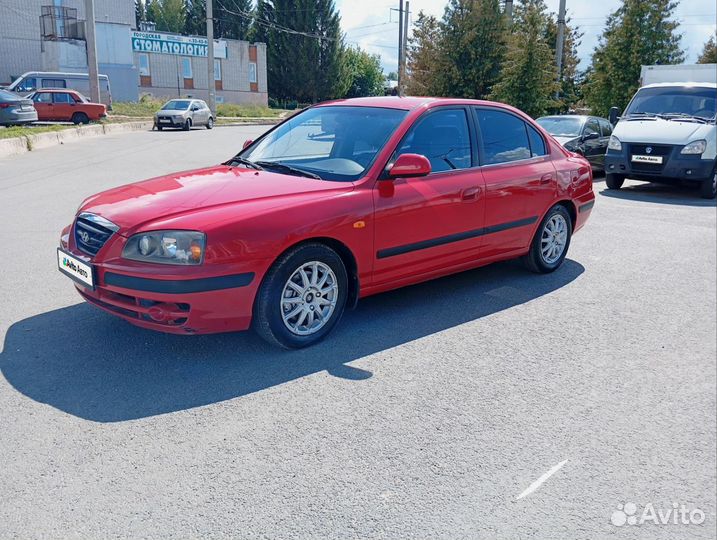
{"points": [[184, 114]]}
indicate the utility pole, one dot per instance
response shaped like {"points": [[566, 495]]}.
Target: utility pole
{"points": [[91, 46], [400, 44], [508, 12], [211, 86], [403, 50], [560, 43]]}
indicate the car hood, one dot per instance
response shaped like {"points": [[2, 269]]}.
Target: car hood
{"points": [[564, 140], [136, 205], [659, 131]]}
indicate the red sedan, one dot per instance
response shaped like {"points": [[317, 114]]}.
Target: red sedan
{"points": [[59, 105], [344, 200]]}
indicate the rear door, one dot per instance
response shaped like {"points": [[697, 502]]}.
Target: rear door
{"points": [[432, 222], [44, 106], [520, 179]]}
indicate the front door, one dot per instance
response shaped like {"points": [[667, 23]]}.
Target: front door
{"points": [[428, 223], [44, 106], [520, 179]]}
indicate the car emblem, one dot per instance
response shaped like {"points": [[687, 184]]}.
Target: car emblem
{"points": [[84, 236], [648, 149]]}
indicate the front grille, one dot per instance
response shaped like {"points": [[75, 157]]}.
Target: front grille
{"points": [[92, 232], [655, 150]]}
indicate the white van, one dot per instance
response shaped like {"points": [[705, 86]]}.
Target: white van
{"points": [[37, 80], [666, 134]]}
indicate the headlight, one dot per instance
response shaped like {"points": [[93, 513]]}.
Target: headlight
{"points": [[695, 147], [614, 144], [166, 247]]}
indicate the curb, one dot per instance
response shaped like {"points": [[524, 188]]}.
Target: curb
{"points": [[29, 143]]}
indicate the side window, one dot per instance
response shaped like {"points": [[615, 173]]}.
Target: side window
{"points": [[504, 136], [442, 136], [591, 126], [537, 144], [62, 97], [42, 97], [54, 83], [606, 128]]}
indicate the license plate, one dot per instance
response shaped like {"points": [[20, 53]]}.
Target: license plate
{"points": [[164, 120], [26, 108], [647, 159], [78, 270]]}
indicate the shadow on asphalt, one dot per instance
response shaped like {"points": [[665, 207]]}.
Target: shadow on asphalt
{"points": [[91, 365], [659, 193]]}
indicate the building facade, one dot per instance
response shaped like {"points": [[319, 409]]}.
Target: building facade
{"points": [[49, 35], [172, 65]]}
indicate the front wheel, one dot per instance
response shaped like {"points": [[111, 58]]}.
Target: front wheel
{"points": [[708, 187], [302, 297], [551, 241], [614, 181], [187, 125], [80, 118]]}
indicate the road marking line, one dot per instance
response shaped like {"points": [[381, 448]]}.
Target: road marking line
{"points": [[535, 485]]}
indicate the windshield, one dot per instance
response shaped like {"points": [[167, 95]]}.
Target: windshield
{"points": [[181, 105], [677, 100], [561, 126], [334, 142]]}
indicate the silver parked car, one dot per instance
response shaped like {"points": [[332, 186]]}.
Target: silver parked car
{"points": [[184, 113], [16, 110]]}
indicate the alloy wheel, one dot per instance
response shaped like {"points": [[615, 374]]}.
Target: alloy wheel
{"points": [[309, 298], [554, 239]]}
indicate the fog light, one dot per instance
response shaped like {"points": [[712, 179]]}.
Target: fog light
{"points": [[612, 167], [688, 172]]}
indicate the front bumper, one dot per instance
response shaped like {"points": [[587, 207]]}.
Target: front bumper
{"points": [[191, 302], [674, 167], [169, 121]]}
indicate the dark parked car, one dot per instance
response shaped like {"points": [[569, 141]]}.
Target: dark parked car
{"points": [[584, 135], [16, 110]]}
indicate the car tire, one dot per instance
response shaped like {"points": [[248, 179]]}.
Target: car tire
{"points": [[708, 186], [614, 181], [272, 318], [210, 123], [159, 128], [187, 125], [556, 230], [80, 118]]}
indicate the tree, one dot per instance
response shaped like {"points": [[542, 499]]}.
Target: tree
{"points": [[139, 14], [472, 47], [423, 57], [709, 53], [195, 23], [637, 33], [305, 49], [168, 15], [235, 20], [364, 73], [528, 78]]}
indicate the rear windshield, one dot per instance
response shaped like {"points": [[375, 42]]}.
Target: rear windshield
{"points": [[176, 106], [8, 96]]}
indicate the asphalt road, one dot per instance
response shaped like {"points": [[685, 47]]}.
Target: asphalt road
{"points": [[426, 415]]}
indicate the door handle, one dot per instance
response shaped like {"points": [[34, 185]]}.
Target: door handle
{"points": [[470, 193], [546, 178]]}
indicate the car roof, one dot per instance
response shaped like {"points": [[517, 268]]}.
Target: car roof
{"points": [[407, 103], [583, 116], [56, 90], [668, 84]]}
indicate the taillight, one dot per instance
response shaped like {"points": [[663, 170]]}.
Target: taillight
{"points": [[5, 105]]}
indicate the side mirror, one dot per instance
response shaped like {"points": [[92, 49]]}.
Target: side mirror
{"points": [[590, 136], [614, 113], [410, 165], [247, 143], [195, 108]]}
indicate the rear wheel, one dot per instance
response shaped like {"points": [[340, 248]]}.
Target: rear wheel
{"points": [[302, 297], [210, 123], [614, 181], [708, 187], [187, 125], [551, 241], [80, 118]]}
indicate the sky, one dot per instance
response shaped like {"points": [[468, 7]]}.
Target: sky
{"points": [[374, 26]]}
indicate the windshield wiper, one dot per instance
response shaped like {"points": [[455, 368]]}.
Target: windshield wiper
{"points": [[641, 116], [684, 116], [243, 161], [287, 169]]}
